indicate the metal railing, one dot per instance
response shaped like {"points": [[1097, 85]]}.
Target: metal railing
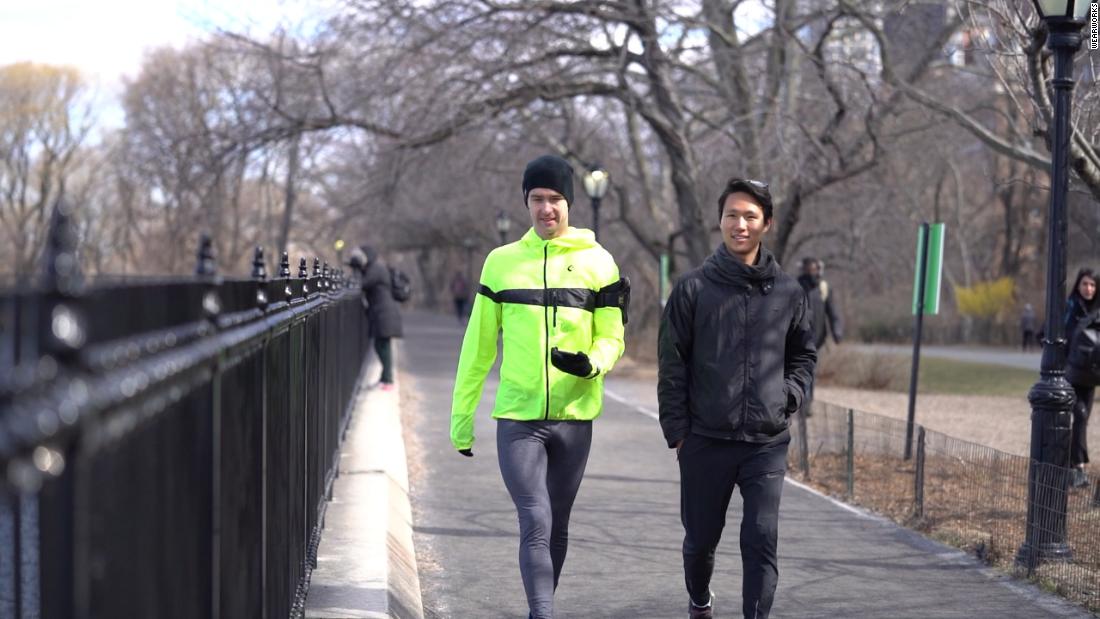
{"points": [[967, 495], [166, 448]]}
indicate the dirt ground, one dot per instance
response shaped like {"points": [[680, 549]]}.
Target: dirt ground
{"points": [[998, 422]]}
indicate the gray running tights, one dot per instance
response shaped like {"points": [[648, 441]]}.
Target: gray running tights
{"points": [[542, 463]]}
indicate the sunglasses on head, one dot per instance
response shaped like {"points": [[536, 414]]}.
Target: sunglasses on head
{"points": [[761, 185]]}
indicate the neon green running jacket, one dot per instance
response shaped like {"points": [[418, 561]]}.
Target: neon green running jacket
{"points": [[564, 293]]}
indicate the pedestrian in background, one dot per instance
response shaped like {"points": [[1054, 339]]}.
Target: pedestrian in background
{"points": [[1028, 324], [383, 312], [460, 292], [1080, 306], [824, 318], [557, 297], [735, 359]]}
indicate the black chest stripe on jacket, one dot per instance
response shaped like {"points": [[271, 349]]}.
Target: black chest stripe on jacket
{"points": [[581, 298]]}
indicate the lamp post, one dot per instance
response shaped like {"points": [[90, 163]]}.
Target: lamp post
{"points": [[339, 247], [596, 181], [503, 226], [1052, 397]]}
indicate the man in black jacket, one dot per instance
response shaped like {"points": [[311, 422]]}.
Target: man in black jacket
{"points": [[736, 357]]}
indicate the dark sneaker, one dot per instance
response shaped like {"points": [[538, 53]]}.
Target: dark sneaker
{"points": [[701, 612], [1080, 478]]}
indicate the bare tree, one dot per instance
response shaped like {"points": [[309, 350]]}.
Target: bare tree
{"points": [[1012, 38], [47, 118]]}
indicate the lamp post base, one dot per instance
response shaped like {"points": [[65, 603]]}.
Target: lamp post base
{"points": [[1049, 473], [1048, 552]]}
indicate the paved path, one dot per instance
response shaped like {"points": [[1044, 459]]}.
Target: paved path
{"points": [[624, 558], [976, 354]]}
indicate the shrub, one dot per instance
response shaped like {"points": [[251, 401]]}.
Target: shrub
{"points": [[844, 366], [987, 301]]}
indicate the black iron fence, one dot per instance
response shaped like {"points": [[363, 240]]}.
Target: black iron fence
{"points": [[967, 495], [166, 448]]}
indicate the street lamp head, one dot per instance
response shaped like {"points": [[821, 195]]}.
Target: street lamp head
{"points": [[1062, 10], [596, 182], [504, 224], [339, 244]]}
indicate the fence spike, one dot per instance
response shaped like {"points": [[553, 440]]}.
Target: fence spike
{"points": [[62, 270], [316, 267], [284, 266], [61, 325], [259, 270], [303, 269], [205, 264]]}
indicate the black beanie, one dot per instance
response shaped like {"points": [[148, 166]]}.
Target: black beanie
{"points": [[549, 172]]}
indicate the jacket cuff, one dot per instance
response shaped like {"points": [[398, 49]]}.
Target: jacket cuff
{"points": [[676, 438], [797, 397], [462, 444]]}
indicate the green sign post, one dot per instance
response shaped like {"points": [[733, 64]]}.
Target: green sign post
{"points": [[663, 283], [929, 267], [927, 274]]}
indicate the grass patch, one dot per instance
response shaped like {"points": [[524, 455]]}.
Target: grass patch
{"points": [[847, 367], [968, 378]]}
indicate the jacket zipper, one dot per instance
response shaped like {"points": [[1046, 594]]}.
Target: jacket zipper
{"points": [[546, 323], [748, 348]]}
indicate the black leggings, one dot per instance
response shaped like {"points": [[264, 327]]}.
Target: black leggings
{"points": [[1078, 442], [384, 349], [542, 463]]}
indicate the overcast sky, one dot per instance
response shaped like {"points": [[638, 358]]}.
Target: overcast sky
{"points": [[106, 38]]}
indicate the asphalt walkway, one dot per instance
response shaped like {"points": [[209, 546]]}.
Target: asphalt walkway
{"points": [[624, 557], [1009, 357]]}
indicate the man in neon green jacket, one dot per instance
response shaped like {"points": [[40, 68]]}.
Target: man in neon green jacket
{"points": [[557, 297]]}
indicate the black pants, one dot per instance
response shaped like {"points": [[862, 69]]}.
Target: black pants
{"points": [[460, 308], [1082, 407], [1028, 339], [709, 470], [384, 349]]}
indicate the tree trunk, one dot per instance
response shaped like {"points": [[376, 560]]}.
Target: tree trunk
{"points": [[292, 165]]}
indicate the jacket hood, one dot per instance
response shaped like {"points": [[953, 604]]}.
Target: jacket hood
{"points": [[574, 238], [722, 267]]}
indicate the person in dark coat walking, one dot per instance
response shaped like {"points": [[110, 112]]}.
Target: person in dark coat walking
{"points": [[460, 292], [736, 358], [824, 319], [1082, 301], [1028, 323], [383, 313], [823, 315]]}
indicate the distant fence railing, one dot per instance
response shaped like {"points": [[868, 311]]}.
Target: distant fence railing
{"points": [[967, 495], [166, 448]]}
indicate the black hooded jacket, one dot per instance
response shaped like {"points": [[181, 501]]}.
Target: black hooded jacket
{"points": [[736, 351], [383, 313]]}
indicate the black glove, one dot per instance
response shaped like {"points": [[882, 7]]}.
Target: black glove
{"points": [[575, 363], [469, 453]]}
